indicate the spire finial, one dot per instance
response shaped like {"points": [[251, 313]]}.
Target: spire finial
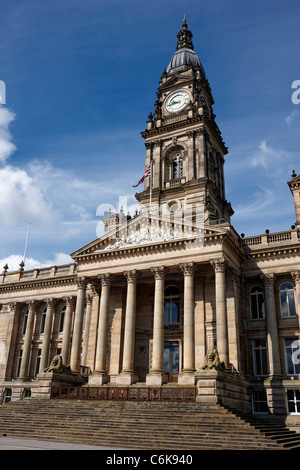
{"points": [[184, 36]]}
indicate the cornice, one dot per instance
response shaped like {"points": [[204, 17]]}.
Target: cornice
{"points": [[275, 252], [37, 284], [190, 121]]}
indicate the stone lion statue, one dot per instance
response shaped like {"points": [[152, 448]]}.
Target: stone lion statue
{"points": [[212, 361], [56, 365]]}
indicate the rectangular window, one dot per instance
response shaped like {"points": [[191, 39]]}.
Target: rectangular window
{"points": [[171, 314], [260, 357], [259, 402], [292, 356], [293, 401], [43, 321]]}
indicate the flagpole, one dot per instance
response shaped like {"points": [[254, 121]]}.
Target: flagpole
{"points": [[26, 244]]}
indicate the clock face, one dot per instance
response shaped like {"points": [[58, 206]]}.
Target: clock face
{"points": [[177, 101]]}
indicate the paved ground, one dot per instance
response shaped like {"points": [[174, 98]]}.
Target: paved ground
{"points": [[8, 443]]}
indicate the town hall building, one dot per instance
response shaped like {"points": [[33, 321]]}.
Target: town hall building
{"points": [[172, 295]]}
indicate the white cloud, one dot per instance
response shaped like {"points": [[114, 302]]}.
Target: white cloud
{"points": [[269, 158], [13, 262], [6, 146], [291, 117], [22, 201]]}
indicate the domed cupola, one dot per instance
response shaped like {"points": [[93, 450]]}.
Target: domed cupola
{"points": [[184, 56]]}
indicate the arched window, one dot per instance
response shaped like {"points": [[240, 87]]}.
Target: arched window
{"points": [[62, 319], [287, 300], [177, 168], [257, 305], [43, 320], [171, 305]]}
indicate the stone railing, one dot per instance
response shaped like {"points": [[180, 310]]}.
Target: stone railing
{"points": [[267, 239], [175, 182], [36, 274]]}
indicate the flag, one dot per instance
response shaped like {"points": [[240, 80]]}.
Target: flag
{"points": [[147, 173]]}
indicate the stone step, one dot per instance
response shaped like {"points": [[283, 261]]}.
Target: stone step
{"points": [[140, 425]]}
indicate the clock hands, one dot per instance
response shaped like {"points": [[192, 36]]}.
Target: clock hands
{"points": [[174, 102]]}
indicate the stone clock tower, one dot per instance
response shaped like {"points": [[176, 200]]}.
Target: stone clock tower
{"points": [[183, 142]]}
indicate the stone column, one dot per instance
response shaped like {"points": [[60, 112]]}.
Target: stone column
{"points": [[233, 320], [221, 311], [191, 164], [47, 335], [296, 279], [187, 375], [28, 340], [157, 376], [201, 146], [127, 376], [89, 299], [78, 326], [100, 375], [11, 337], [272, 331], [66, 342]]}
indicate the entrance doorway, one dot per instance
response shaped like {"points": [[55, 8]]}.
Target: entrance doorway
{"points": [[171, 360]]}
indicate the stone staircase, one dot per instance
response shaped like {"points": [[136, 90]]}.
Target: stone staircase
{"points": [[142, 425]]}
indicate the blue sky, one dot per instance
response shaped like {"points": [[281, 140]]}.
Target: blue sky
{"points": [[81, 79]]}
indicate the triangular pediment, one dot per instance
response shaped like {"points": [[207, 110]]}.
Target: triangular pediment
{"points": [[175, 80], [138, 231]]}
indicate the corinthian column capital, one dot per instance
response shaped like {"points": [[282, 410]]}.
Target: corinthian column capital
{"points": [[70, 301], [188, 269], [219, 265], [50, 303], [131, 276], [81, 282], [159, 272], [31, 305], [268, 279], [296, 276], [105, 279]]}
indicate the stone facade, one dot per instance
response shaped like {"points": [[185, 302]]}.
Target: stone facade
{"points": [[149, 301]]}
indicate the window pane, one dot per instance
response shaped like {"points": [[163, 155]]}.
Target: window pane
{"points": [[292, 305], [175, 312], [289, 362], [261, 306], [257, 363], [284, 305], [167, 315], [260, 404], [167, 359], [172, 290], [253, 307], [264, 360], [286, 285], [175, 359]]}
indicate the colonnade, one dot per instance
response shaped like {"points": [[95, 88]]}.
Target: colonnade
{"points": [[74, 344], [156, 375], [74, 351]]}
